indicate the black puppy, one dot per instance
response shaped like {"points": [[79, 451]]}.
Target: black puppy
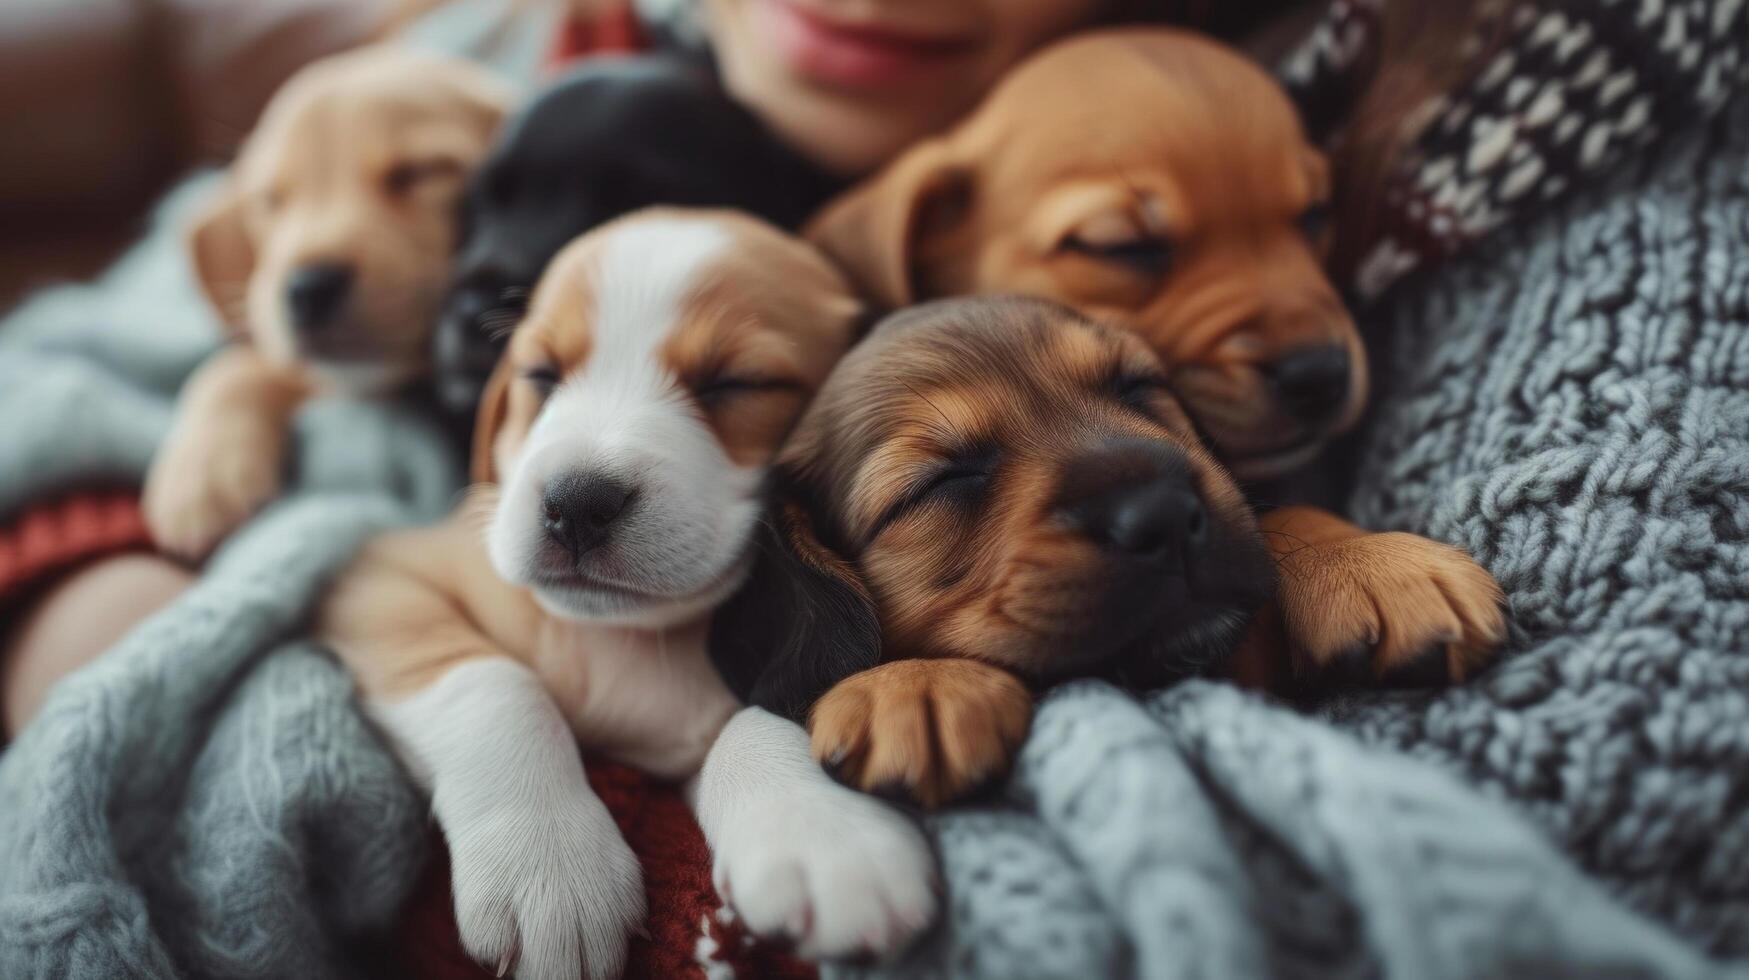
{"points": [[611, 137]]}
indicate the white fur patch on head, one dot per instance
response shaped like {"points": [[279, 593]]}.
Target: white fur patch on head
{"points": [[680, 545]]}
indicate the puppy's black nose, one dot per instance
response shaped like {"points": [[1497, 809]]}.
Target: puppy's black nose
{"points": [[1160, 519], [578, 510], [1136, 499], [1311, 382], [314, 293]]}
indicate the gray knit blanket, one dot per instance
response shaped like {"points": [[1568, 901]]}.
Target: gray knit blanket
{"points": [[1573, 408], [203, 801]]}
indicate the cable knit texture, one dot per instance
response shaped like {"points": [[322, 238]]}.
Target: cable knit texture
{"points": [[1574, 409]]}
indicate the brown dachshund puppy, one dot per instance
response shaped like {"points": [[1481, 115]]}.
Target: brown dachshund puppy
{"points": [[985, 495], [1161, 182], [325, 249]]}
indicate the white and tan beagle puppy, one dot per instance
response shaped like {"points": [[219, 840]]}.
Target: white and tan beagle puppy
{"points": [[622, 448]]}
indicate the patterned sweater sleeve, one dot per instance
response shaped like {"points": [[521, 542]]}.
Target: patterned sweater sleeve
{"points": [[1570, 91]]}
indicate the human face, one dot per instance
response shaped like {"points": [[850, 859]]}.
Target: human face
{"points": [[852, 82]]}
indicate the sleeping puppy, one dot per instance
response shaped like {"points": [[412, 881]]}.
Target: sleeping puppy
{"points": [[325, 251], [1153, 178], [1159, 181], [986, 495], [622, 449], [611, 137]]}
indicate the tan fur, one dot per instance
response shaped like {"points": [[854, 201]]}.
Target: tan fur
{"points": [[359, 158], [1116, 134], [938, 728], [417, 603], [1107, 137], [1388, 598]]}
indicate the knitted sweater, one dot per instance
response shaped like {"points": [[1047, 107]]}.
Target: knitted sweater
{"points": [[1574, 409]]}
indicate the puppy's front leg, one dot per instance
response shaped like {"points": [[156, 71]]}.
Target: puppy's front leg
{"points": [[800, 856], [223, 457], [543, 880], [1392, 608]]}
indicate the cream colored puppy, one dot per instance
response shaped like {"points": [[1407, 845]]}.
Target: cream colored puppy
{"points": [[622, 446], [325, 250]]}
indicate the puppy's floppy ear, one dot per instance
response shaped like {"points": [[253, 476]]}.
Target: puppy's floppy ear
{"points": [[802, 622], [223, 254], [876, 230], [483, 463]]}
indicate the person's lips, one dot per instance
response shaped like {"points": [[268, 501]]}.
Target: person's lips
{"points": [[855, 55]]}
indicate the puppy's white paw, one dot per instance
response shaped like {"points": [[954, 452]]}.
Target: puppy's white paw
{"points": [[835, 871], [547, 895], [208, 479]]}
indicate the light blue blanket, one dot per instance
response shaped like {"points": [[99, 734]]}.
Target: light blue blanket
{"points": [[204, 801]]}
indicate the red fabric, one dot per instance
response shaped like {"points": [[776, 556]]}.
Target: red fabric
{"points": [[56, 536], [677, 883], [615, 30]]}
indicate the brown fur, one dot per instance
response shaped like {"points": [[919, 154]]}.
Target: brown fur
{"points": [[1117, 134], [936, 729], [1110, 137], [921, 619], [359, 159], [1386, 602], [1012, 588]]}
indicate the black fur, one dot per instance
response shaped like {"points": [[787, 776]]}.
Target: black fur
{"points": [[611, 137], [796, 628]]}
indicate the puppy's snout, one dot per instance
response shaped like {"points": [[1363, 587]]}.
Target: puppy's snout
{"points": [[578, 510], [315, 293], [1136, 500], [1311, 382]]}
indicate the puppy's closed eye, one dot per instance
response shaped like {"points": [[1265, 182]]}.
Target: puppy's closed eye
{"points": [[719, 390], [1140, 392], [542, 378], [1151, 257], [1136, 242], [959, 482], [408, 176]]}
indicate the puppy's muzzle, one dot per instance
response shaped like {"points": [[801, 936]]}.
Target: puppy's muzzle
{"points": [[315, 295], [1138, 502], [579, 511]]}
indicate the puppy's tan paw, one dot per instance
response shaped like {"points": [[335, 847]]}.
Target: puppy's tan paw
{"points": [[206, 481], [932, 730], [1393, 609]]}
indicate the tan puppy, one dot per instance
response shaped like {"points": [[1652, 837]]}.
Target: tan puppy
{"points": [[325, 250], [1161, 182], [623, 443], [1152, 178]]}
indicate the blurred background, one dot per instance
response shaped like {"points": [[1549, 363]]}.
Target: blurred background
{"points": [[103, 102]]}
